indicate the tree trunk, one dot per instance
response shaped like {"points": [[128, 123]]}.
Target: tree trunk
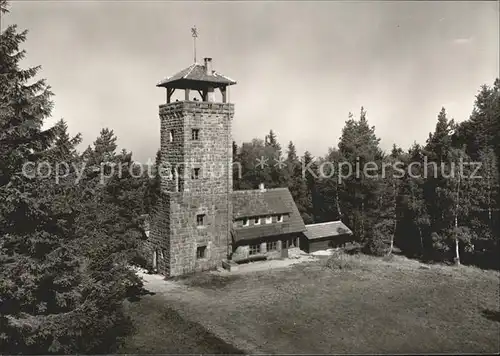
{"points": [[422, 252], [339, 213], [489, 201], [457, 252], [391, 246], [363, 219], [395, 219]]}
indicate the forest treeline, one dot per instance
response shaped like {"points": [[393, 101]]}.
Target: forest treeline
{"points": [[66, 247], [437, 200]]}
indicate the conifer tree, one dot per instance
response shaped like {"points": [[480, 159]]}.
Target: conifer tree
{"points": [[153, 188], [387, 213], [297, 184], [359, 146], [414, 225], [55, 295], [326, 205], [39, 267]]}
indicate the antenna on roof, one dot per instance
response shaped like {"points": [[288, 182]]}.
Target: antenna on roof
{"points": [[194, 33]]}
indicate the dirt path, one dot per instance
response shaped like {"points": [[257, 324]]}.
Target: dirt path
{"points": [[183, 298]]}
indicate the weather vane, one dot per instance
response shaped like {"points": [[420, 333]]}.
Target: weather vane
{"points": [[194, 33]]}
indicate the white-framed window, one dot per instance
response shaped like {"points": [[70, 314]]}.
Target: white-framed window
{"points": [[195, 134], [256, 221], [279, 218], [269, 219], [171, 136], [246, 222], [272, 245], [254, 249]]}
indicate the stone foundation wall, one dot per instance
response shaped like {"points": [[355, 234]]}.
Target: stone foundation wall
{"points": [[186, 236]]}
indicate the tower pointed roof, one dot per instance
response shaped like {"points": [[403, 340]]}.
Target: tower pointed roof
{"points": [[196, 76]]}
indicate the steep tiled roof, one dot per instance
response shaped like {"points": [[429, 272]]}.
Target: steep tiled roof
{"points": [[195, 73], [326, 229], [249, 203]]}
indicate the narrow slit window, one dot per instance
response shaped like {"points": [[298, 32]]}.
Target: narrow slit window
{"points": [[180, 179], [171, 136], [195, 134]]}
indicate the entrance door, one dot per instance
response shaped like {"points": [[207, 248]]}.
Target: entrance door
{"points": [[284, 252]]}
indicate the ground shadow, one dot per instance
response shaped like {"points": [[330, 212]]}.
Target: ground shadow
{"points": [[207, 280], [493, 315], [137, 294], [161, 329]]}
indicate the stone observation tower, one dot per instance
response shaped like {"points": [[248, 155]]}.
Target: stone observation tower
{"points": [[191, 226], [199, 223]]}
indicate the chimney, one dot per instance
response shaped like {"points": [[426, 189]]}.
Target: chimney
{"points": [[261, 187], [208, 66]]}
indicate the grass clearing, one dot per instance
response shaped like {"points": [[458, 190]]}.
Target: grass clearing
{"points": [[373, 306], [208, 280]]}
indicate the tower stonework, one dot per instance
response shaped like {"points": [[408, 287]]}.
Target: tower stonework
{"points": [[191, 224]]}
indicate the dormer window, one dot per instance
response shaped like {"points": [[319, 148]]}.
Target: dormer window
{"points": [[279, 218], [256, 221], [269, 219], [195, 134], [171, 136]]}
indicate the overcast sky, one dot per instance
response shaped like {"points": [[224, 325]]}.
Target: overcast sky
{"points": [[300, 66]]}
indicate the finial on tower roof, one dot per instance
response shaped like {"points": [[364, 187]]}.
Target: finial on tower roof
{"points": [[194, 33]]}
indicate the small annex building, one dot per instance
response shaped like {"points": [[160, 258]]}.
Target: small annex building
{"points": [[326, 235]]}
